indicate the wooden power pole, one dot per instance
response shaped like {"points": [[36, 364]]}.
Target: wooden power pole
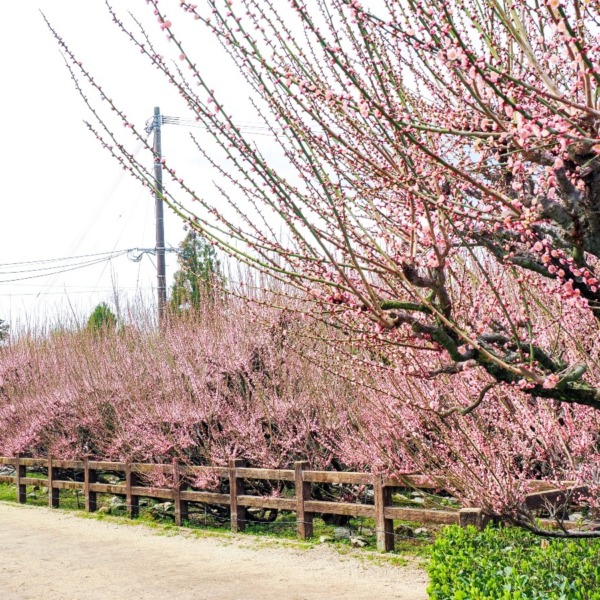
{"points": [[160, 221]]}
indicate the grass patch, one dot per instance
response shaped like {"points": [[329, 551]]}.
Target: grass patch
{"points": [[159, 516], [385, 559], [38, 496]]}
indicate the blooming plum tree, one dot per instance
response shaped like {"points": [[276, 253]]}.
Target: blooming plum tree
{"points": [[442, 214]]}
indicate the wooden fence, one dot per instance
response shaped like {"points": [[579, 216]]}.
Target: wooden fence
{"points": [[181, 495]]}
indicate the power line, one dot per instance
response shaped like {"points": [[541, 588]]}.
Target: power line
{"points": [[111, 192], [121, 235], [75, 286], [71, 292], [64, 258], [59, 266], [63, 269], [67, 266], [106, 199], [244, 126]]}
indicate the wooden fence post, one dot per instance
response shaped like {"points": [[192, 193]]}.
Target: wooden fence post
{"points": [[20, 471], [89, 477], [303, 493], [181, 506], [236, 488], [132, 501], [384, 527], [53, 493]]}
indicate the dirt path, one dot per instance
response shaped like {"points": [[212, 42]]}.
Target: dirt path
{"points": [[57, 555]]}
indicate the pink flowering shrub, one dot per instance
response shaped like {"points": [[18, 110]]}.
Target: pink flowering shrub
{"points": [[242, 380], [219, 384]]}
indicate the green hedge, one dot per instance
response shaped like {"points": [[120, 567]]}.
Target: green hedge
{"points": [[509, 563]]}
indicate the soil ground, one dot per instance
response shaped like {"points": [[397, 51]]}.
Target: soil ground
{"points": [[58, 555]]}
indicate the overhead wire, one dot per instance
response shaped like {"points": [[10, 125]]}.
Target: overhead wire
{"points": [[63, 258], [74, 292], [125, 223], [67, 264], [117, 181], [66, 269], [51, 267], [105, 201], [54, 267], [244, 126]]}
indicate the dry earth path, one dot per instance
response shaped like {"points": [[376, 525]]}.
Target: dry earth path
{"points": [[58, 555]]}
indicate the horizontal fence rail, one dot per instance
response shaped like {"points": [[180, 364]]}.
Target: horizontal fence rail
{"points": [[182, 493]]}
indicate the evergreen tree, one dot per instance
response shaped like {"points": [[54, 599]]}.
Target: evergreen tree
{"points": [[3, 329], [102, 319], [199, 268]]}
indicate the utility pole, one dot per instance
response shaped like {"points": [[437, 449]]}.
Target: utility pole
{"points": [[160, 221]]}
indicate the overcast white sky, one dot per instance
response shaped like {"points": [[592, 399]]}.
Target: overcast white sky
{"points": [[63, 196]]}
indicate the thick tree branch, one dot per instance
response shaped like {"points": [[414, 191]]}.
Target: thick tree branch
{"points": [[469, 409]]}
